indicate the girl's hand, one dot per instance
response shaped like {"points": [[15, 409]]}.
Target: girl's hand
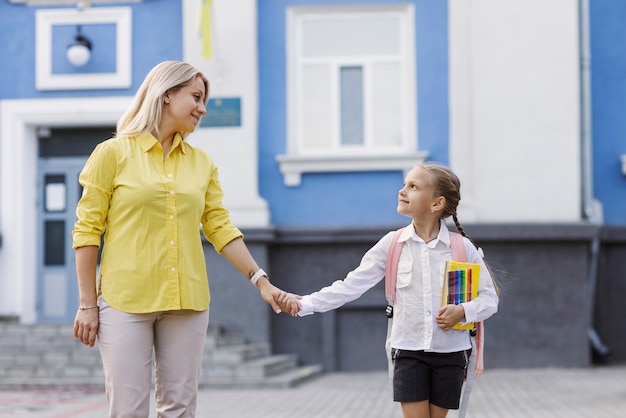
{"points": [[289, 303], [450, 315]]}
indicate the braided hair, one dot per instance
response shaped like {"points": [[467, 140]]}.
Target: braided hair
{"points": [[445, 183]]}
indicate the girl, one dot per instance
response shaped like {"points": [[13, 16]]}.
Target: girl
{"points": [[429, 356]]}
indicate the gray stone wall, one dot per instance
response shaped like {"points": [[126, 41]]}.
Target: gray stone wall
{"points": [[610, 295], [235, 304], [546, 313]]}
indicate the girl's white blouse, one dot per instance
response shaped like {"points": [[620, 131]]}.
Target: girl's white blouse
{"points": [[418, 291]]}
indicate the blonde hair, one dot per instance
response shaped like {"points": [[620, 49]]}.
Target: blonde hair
{"points": [[144, 113]]}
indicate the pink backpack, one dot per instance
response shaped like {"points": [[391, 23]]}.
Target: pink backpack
{"points": [[391, 270]]}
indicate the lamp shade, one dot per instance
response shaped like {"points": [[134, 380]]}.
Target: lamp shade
{"points": [[79, 52]]}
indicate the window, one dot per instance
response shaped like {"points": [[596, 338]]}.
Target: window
{"points": [[351, 90], [112, 23]]}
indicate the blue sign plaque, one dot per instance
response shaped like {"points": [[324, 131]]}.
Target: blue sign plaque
{"points": [[222, 112]]}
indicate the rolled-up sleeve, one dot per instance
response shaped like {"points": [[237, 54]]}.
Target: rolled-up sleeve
{"points": [[216, 224], [96, 178]]}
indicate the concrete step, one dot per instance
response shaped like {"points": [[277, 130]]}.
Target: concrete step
{"points": [[286, 379], [46, 355], [236, 354], [266, 366]]}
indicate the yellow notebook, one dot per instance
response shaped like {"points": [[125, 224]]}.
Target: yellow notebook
{"points": [[460, 285]]}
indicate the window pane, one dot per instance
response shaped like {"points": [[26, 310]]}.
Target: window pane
{"points": [[55, 292], [316, 107], [55, 199], [356, 36], [387, 105], [351, 85], [54, 253], [70, 142]]}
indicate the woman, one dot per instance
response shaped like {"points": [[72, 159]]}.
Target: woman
{"points": [[148, 191]]}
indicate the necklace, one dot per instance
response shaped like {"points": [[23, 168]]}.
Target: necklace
{"points": [[436, 234]]}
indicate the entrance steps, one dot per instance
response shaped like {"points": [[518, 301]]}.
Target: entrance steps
{"points": [[44, 355]]}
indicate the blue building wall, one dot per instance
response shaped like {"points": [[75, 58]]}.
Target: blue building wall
{"points": [[355, 198], [156, 37], [608, 78], [346, 199]]}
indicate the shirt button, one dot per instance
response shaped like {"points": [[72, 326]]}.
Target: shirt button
{"points": [[427, 313], [170, 175], [171, 216], [173, 268], [172, 192], [427, 291], [171, 242]]}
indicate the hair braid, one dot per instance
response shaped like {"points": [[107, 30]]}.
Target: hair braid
{"points": [[459, 227]]}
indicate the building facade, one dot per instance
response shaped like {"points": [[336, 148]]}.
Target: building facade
{"points": [[318, 108]]}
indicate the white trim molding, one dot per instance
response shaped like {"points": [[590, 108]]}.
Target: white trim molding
{"points": [[323, 151], [121, 17], [77, 3], [623, 158], [19, 120], [293, 166]]}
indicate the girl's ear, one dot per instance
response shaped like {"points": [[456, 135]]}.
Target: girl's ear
{"points": [[438, 204]]}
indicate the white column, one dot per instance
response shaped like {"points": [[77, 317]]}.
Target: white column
{"points": [[232, 72], [515, 109], [18, 186]]}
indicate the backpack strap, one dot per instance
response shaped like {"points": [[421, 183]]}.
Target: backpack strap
{"points": [[457, 247], [391, 267], [459, 254], [477, 335]]}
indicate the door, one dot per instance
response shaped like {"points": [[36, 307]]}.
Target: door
{"points": [[57, 288], [62, 155]]}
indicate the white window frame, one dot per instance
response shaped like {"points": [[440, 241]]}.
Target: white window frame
{"points": [[121, 17], [337, 157]]}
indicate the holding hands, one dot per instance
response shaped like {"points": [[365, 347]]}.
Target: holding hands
{"points": [[278, 299], [289, 303]]}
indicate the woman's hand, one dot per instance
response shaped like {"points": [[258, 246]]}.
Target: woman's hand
{"points": [[86, 326]]}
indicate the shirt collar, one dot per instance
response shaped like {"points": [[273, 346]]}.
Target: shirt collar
{"points": [[147, 141], [444, 234]]}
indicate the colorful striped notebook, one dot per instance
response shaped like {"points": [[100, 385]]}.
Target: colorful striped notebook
{"points": [[460, 285]]}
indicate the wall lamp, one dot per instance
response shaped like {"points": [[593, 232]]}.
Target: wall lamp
{"points": [[79, 51]]}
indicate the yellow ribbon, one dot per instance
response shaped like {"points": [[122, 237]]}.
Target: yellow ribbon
{"points": [[205, 29]]}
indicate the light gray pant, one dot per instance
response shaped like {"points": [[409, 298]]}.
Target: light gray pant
{"points": [[127, 342]]}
